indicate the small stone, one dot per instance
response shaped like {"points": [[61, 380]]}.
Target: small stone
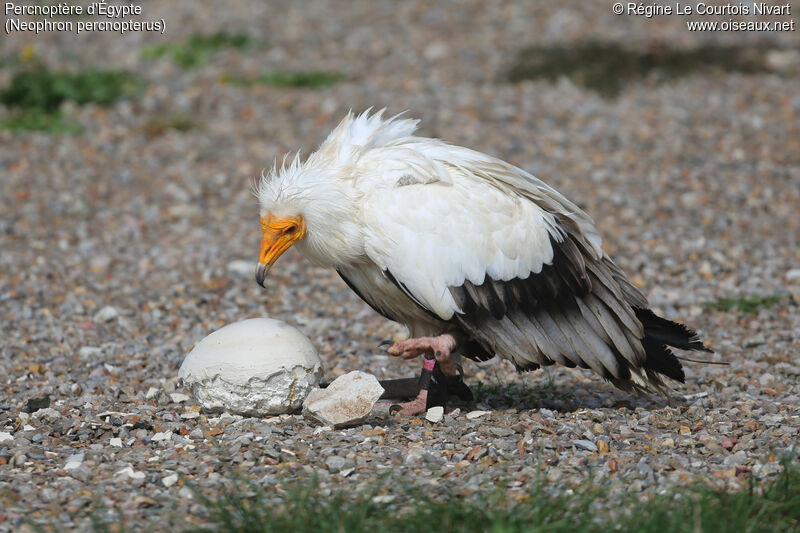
{"points": [[735, 459], [766, 380], [416, 456], [684, 430], [178, 397], [48, 413], [585, 445], [668, 443], [793, 275], [345, 402], [435, 414], [755, 340], [169, 480], [602, 447], [190, 415], [335, 463], [88, 352], [5, 436], [643, 468], [106, 314], [34, 404], [129, 472], [116, 442], [74, 461], [472, 415], [151, 393], [164, 435]]}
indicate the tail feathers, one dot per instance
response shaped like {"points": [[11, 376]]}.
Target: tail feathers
{"points": [[659, 335], [663, 331], [661, 359]]}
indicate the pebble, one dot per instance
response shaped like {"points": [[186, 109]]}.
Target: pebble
{"points": [[129, 472], [74, 461], [435, 414], [169, 480], [162, 436], [106, 314], [585, 445], [347, 401], [335, 463], [87, 352], [472, 415], [5, 436], [178, 397]]}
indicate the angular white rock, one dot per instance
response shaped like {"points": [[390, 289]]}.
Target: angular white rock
{"points": [[435, 414], [74, 461], [6, 436], [106, 314], [254, 367], [164, 435], [177, 397], [129, 472], [345, 402], [472, 415]]}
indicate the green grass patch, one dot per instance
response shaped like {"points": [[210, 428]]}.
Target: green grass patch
{"points": [[608, 67], [35, 94], [160, 124], [198, 49], [45, 90], [35, 120], [761, 507], [311, 79], [750, 305]]}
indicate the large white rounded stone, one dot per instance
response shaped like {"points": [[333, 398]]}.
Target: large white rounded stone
{"points": [[253, 367]]}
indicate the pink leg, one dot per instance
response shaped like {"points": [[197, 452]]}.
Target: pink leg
{"points": [[441, 348]]}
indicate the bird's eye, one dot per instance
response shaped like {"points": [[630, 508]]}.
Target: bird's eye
{"points": [[290, 230]]}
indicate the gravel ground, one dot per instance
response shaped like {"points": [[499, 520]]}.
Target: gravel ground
{"points": [[121, 250]]}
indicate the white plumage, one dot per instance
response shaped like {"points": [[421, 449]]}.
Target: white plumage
{"points": [[449, 240]]}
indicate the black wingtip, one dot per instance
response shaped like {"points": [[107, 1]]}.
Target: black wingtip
{"points": [[661, 359], [668, 332]]}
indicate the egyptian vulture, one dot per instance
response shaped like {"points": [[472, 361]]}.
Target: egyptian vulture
{"points": [[475, 256]]}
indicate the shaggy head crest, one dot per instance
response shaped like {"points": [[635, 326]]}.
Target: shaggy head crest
{"points": [[356, 134]]}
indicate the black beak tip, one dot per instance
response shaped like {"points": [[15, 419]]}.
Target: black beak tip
{"points": [[261, 274]]}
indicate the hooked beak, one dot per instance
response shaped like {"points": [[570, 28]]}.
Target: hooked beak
{"points": [[261, 273], [278, 235]]}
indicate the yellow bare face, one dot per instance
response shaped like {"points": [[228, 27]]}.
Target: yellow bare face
{"points": [[278, 235]]}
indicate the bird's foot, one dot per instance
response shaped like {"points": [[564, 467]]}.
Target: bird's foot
{"points": [[417, 406], [440, 347]]}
